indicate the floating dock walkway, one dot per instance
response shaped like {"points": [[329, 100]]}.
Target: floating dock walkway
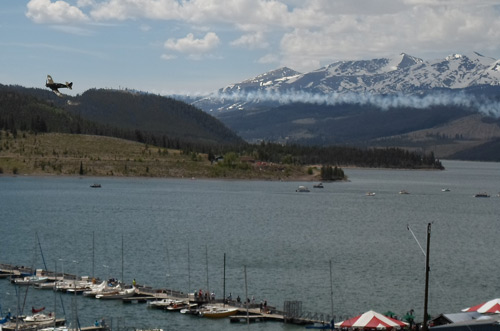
{"points": [[144, 294]]}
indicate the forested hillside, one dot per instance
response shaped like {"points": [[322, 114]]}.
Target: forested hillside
{"points": [[152, 113], [142, 118]]}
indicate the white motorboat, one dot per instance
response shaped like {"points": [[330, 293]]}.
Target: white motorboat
{"points": [[39, 318], [60, 328], [302, 188], [217, 311], [101, 288], [180, 306], [163, 303], [125, 293], [30, 280]]}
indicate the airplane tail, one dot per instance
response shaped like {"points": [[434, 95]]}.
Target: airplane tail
{"points": [[69, 85]]}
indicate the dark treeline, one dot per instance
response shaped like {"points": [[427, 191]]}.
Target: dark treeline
{"points": [[345, 156], [19, 111]]}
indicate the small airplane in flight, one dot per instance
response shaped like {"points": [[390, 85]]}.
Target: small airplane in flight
{"points": [[55, 86]]}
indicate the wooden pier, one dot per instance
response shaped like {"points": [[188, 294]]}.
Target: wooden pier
{"points": [[145, 294]]}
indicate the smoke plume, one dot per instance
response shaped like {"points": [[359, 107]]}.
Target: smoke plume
{"points": [[460, 99]]}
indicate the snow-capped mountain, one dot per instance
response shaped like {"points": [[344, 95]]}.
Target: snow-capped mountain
{"points": [[400, 75]]}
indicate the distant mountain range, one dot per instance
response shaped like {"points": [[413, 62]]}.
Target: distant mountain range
{"points": [[346, 81], [450, 105]]}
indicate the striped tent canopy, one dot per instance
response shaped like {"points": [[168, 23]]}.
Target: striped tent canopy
{"points": [[489, 307], [372, 320]]}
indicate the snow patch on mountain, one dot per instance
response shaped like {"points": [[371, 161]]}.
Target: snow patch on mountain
{"points": [[400, 75]]}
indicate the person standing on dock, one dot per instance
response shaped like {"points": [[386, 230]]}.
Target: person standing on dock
{"points": [[133, 282]]}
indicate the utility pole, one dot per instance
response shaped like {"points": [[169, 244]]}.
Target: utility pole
{"points": [[426, 299]]}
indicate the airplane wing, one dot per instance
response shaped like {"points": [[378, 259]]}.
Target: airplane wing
{"points": [[49, 80], [59, 94]]}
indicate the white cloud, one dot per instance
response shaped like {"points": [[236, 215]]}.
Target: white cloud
{"points": [[251, 41], [343, 32], [145, 27], [75, 30], [85, 3], [134, 9], [59, 12], [192, 46], [168, 57], [269, 58], [311, 32]]}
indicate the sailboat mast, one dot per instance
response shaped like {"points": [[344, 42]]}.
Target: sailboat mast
{"points": [[224, 283], [93, 253], [246, 293], [41, 251], [426, 299], [123, 281], [189, 272], [55, 297], [206, 258], [331, 287]]}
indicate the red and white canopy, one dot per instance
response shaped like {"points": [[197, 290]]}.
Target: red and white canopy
{"points": [[371, 320], [490, 307]]}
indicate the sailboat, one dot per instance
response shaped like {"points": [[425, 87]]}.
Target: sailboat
{"points": [[217, 311]]}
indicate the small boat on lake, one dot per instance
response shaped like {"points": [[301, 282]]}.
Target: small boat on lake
{"points": [[95, 185], [404, 192], [445, 190], [370, 194], [481, 195], [302, 188], [320, 185]]}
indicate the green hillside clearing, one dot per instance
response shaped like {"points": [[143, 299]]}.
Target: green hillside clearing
{"points": [[72, 154]]}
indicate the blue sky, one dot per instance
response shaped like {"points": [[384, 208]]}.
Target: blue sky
{"points": [[198, 46]]}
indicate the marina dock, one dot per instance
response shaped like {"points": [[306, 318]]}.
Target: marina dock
{"points": [[252, 313]]}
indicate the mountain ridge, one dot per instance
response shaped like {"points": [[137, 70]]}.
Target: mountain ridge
{"points": [[402, 74]]}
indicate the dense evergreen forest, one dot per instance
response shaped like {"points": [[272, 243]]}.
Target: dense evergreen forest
{"points": [[20, 110]]}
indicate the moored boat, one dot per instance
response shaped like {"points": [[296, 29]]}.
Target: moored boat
{"points": [[164, 303], [217, 311], [30, 280], [40, 318], [180, 306], [125, 293], [72, 286], [101, 288]]}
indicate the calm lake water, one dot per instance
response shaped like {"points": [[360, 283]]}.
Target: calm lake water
{"points": [[284, 238]]}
